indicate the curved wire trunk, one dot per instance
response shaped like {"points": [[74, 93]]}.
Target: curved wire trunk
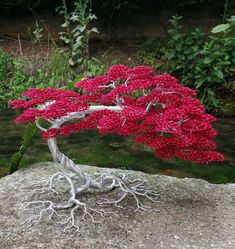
{"points": [[107, 183]]}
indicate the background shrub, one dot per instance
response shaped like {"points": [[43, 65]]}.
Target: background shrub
{"points": [[203, 62]]}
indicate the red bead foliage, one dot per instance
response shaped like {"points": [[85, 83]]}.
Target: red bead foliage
{"points": [[161, 112]]}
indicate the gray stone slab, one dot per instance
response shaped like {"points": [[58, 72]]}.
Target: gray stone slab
{"points": [[193, 214]]}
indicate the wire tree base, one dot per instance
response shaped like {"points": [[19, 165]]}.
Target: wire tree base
{"points": [[70, 195]]}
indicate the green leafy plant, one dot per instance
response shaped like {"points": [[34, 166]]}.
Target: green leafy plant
{"points": [[152, 53], [13, 78], [28, 135], [202, 62], [77, 31], [182, 49], [217, 60], [92, 68], [38, 33], [18, 74], [205, 63], [5, 69], [5, 65]]}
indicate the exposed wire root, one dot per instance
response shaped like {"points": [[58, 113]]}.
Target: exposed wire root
{"points": [[78, 182], [81, 212]]}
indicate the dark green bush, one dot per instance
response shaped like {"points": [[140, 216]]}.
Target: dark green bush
{"points": [[200, 61], [5, 65], [205, 63]]}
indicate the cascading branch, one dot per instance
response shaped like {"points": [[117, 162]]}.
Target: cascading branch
{"points": [[156, 109]]}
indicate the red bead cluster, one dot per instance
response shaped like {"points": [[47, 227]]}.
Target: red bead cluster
{"points": [[161, 112], [48, 103]]}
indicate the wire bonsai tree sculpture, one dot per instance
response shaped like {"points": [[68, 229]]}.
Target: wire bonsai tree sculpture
{"points": [[156, 109]]}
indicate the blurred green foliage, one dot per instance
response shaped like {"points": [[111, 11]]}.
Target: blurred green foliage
{"points": [[200, 61], [17, 74]]}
